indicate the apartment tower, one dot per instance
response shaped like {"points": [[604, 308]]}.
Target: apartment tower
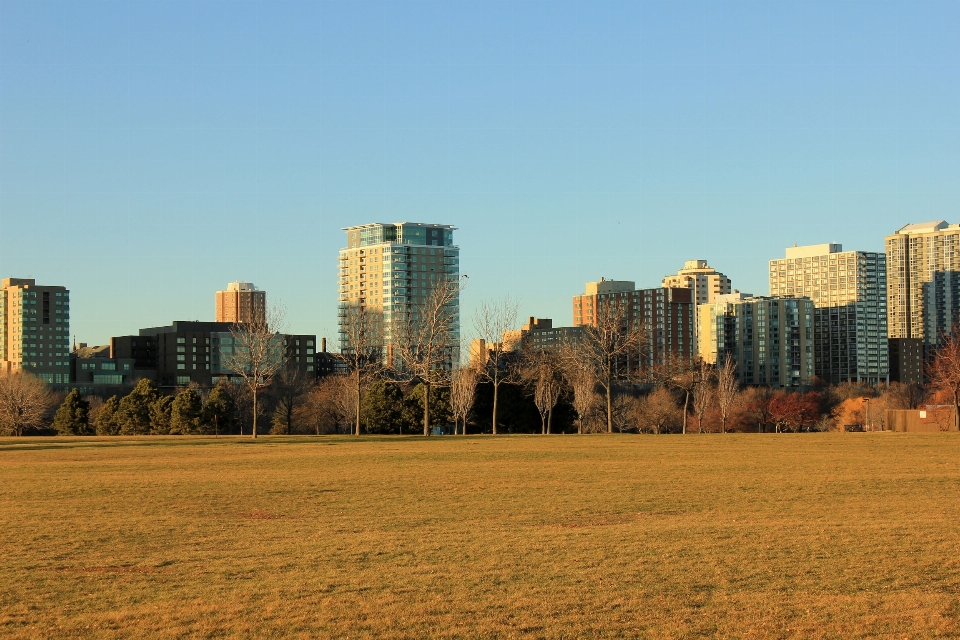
{"points": [[923, 286], [666, 313], [705, 282], [35, 329], [716, 334], [393, 268], [241, 302], [850, 308], [770, 339]]}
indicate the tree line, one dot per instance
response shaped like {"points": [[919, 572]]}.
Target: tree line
{"points": [[606, 380]]}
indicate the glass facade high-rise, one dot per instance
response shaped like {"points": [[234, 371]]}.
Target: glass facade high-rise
{"points": [[392, 268], [35, 329]]}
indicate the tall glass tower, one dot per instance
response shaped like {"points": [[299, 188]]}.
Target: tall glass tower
{"points": [[394, 267]]}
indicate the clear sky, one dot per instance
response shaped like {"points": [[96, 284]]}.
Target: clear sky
{"points": [[151, 152]]}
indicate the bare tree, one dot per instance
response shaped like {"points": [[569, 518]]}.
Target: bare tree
{"points": [[463, 388], [493, 319], [728, 390], [425, 340], [543, 372], [332, 401], [24, 402], [759, 402], [944, 370], [289, 388], [657, 412], [903, 396], [702, 393], [584, 387], [362, 344], [343, 397], [610, 349], [257, 353], [684, 377]]}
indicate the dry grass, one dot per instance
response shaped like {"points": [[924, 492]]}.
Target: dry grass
{"points": [[783, 536]]}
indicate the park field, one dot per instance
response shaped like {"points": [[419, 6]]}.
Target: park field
{"points": [[744, 536]]}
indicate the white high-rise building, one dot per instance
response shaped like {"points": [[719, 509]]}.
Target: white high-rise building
{"points": [[848, 290], [924, 280]]}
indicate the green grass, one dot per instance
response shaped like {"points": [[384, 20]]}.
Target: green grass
{"points": [[758, 536]]}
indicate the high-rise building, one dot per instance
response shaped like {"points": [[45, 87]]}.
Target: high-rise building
{"points": [[923, 283], [850, 318], [770, 339], [666, 315], [716, 326], [392, 268], [906, 360], [705, 282], [35, 326], [241, 302]]}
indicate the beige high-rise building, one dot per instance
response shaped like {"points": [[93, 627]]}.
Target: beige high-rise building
{"points": [[923, 280], [35, 329], [241, 302], [850, 318], [714, 334], [705, 281], [393, 268]]}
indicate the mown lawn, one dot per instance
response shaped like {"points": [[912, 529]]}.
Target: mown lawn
{"points": [[757, 536]]}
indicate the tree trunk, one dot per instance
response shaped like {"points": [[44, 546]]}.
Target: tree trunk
{"points": [[686, 402], [956, 410], [549, 420], [723, 422], [543, 424], [426, 409], [254, 412], [357, 423], [496, 388], [609, 410]]}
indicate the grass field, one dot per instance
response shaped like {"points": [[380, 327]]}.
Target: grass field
{"points": [[775, 536]]}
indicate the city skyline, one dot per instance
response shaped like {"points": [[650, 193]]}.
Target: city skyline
{"points": [[142, 167]]}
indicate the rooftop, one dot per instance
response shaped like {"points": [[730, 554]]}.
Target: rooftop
{"points": [[811, 250], [923, 227], [398, 224]]}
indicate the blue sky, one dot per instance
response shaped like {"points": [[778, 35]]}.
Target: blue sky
{"points": [[151, 152]]}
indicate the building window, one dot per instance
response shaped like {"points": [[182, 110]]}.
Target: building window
{"points": [[108, 378], [183, 379]]}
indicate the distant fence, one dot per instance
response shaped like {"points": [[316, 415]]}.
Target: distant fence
{"points": [[932, 419]]}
